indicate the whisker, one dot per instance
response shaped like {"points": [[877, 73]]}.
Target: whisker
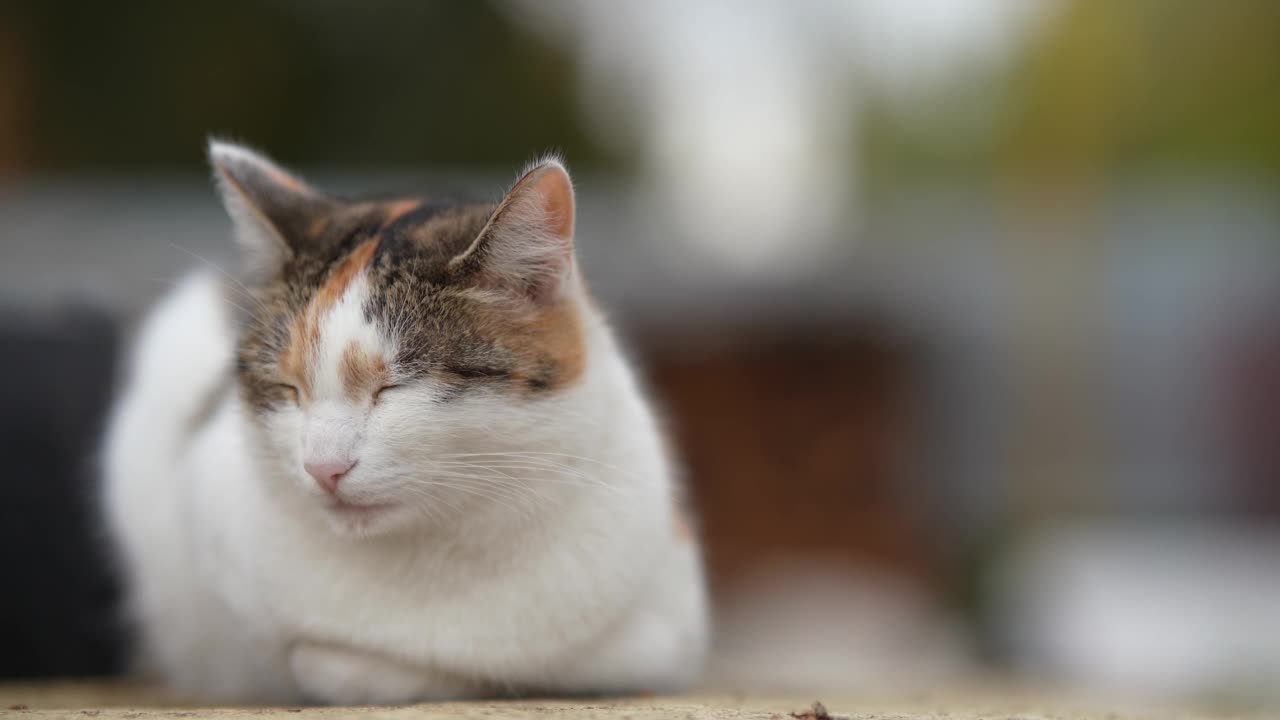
{"points": [[537, 454], [227, 300], [239, 286], [568, 476], [483, 492]]}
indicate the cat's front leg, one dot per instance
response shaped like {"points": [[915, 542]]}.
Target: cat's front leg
{"points": [[344, 676]]}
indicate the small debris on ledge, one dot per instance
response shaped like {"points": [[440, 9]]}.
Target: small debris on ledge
{"points": [[817, 712]]}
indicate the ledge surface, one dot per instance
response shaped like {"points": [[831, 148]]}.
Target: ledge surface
{"points": [[110, 701]]}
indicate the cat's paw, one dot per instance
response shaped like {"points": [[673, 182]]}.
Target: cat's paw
{"points": [[340, 676], [648, 652]]}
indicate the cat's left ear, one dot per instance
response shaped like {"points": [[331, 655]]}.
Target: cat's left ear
{"points": [[527, 244], [271, 208]]}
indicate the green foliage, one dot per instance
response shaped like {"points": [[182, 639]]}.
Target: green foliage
{"points": [[140, 84], [1134, 87]]}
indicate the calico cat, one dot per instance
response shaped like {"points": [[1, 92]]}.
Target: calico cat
{"points": [[400, 459]]}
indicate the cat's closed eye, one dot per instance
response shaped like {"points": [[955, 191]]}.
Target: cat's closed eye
{"points": [[377, 395], [472, 373]]}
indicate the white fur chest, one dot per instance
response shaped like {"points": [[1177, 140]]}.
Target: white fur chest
{"points": [[530, 595]]}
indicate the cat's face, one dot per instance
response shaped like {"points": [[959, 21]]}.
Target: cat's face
{"points": [[392, 349]]}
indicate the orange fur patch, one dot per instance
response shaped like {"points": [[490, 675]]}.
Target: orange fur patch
{"points": [[332, 290], [304, 336], [554, 336], [362, 373], [398, 208], [562, 337]]}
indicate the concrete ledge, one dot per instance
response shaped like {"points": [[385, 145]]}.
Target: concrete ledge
{"points": [[112, 701]]}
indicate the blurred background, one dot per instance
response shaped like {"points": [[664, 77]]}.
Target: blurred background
{"points": [[965, 313]]}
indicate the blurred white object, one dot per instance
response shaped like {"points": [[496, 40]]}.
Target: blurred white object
{"points": [[808, 627], [746, 112], [1156, 610]]}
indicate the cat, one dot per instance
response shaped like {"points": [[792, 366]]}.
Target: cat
{"points": [[401, 458]]}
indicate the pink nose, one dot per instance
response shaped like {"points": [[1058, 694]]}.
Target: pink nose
{"points": [[328, 472]]}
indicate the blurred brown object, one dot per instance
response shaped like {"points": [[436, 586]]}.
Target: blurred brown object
{"points": [[1252, 391], [795, 445]]}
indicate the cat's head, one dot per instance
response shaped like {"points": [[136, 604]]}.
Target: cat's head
{"points": [[390, 349]]}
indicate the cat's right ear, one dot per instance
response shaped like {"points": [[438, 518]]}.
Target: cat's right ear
{"points": [[270, 208]]}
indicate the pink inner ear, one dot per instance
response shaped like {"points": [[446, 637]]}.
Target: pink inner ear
{"points": [[556, 191], [527, 245]]}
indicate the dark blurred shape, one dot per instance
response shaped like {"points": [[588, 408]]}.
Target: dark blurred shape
{"points": [[796, 446], [57, 611], [140, 85], [1252, 379]]}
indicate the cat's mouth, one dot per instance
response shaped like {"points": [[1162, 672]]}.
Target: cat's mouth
{"points": [[344, 508]]}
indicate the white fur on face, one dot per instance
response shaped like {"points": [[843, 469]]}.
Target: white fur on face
{"points": [[413, 450], [331, 424]]}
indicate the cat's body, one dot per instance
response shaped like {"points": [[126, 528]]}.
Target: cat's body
{"points": [[412, 465]]}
